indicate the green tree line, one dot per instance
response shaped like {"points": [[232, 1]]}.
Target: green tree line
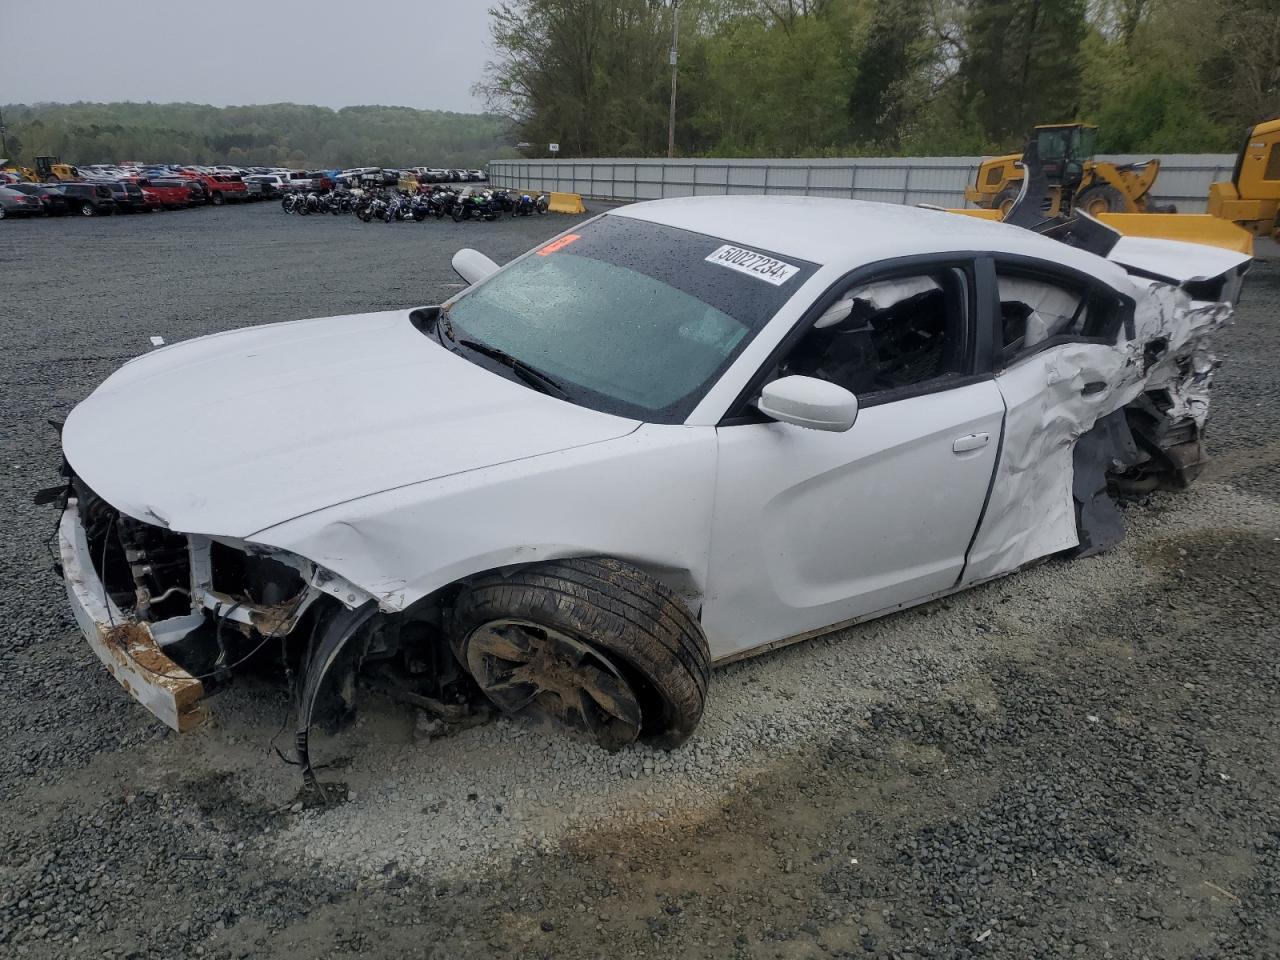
{"points": [[278, 134], [887, 77]]}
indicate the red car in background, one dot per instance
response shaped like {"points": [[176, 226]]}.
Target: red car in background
{"points": [[173, 194], [224, 187], [217, 188]]}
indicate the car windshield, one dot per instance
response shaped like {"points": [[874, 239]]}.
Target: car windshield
{"points": [[626, 316]]}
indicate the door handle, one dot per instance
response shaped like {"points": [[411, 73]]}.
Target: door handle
{"points": [[972, 441]]}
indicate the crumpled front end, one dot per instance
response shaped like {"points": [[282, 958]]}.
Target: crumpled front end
{"points": [[171, 615]]}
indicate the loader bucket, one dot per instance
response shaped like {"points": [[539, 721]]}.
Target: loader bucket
{"points": [[979, 212], [566, 203], [1189, 227]]}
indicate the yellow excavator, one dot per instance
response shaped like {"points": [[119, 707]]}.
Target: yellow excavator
{"points": [[1076, 180], [1251, 198]]}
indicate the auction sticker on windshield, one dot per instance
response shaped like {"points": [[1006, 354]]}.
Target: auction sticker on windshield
{"points": [[754, 264]]}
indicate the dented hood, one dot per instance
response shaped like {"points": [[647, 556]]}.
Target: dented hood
{"points": [[236, 432]]}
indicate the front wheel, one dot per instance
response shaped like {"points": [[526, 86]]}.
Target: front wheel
{"points": [[1100, 199], [217, 199], [1005, 200], [591, 645], [88, 210], [458, 216]]}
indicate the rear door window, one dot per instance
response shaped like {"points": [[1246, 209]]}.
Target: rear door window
{"points": [[1039, 309]]}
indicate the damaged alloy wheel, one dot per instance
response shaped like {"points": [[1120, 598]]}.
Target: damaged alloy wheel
{"points": [[591, 645], [525, 667]]}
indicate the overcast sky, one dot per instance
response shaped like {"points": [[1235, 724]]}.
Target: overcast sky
{"points": [[335, 53]]}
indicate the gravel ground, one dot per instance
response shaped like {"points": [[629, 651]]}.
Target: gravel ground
{"points": [[1080, 760]]}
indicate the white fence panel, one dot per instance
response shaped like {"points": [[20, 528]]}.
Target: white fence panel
{"points": [[1184, 178]]}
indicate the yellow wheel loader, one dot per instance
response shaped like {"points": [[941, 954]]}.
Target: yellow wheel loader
{"points": [[52, 168], [1076, 180], [11, 166], [1037, 209], [1251, 198]]}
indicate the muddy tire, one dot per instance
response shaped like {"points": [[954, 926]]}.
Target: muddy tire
{"points": [[592, 644], [1100, 199]]}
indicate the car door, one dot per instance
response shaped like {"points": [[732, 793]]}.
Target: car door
{"points": [[1061, 364], [814, 528]]}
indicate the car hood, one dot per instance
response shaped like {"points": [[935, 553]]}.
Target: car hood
{"points": [[236, 432]]}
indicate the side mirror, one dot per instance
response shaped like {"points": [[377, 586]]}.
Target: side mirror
{"points": [[473, 266], [809, 402]]}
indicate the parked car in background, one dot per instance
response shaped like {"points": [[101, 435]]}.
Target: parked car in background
{"points": [[477, 175], [174, 193], [127, 196], [52, 203], [18, 203], [198, 188], [308, 180], [264, 186], [151, 200], [87, 199], [224, 187]]}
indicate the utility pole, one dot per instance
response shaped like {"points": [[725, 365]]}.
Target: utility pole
{"points": [[675, 55], [4, 141]]}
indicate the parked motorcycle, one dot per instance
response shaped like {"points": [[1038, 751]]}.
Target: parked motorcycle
{"points": [[398, 207], [474, 208], [376, 207], [502, 201], [526, 204], [442, 201]]}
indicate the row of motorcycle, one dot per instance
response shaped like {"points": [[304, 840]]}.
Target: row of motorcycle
{"points": [[439, 202]]}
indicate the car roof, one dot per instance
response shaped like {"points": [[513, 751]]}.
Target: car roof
{"points": [[850, 233]]}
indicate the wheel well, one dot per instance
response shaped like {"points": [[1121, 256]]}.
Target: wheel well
{"points": [[434, 608], [679, 580]]}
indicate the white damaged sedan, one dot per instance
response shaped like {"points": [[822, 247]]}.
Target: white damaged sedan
{"points": [[681, 433]]}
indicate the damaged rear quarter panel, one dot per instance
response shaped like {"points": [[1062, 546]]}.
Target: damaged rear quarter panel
{"points": [[1051, 399], [645, 497], [1054, 397]]}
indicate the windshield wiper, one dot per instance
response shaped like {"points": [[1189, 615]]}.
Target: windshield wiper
{"points": [[444, 328], [533, 377]]}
